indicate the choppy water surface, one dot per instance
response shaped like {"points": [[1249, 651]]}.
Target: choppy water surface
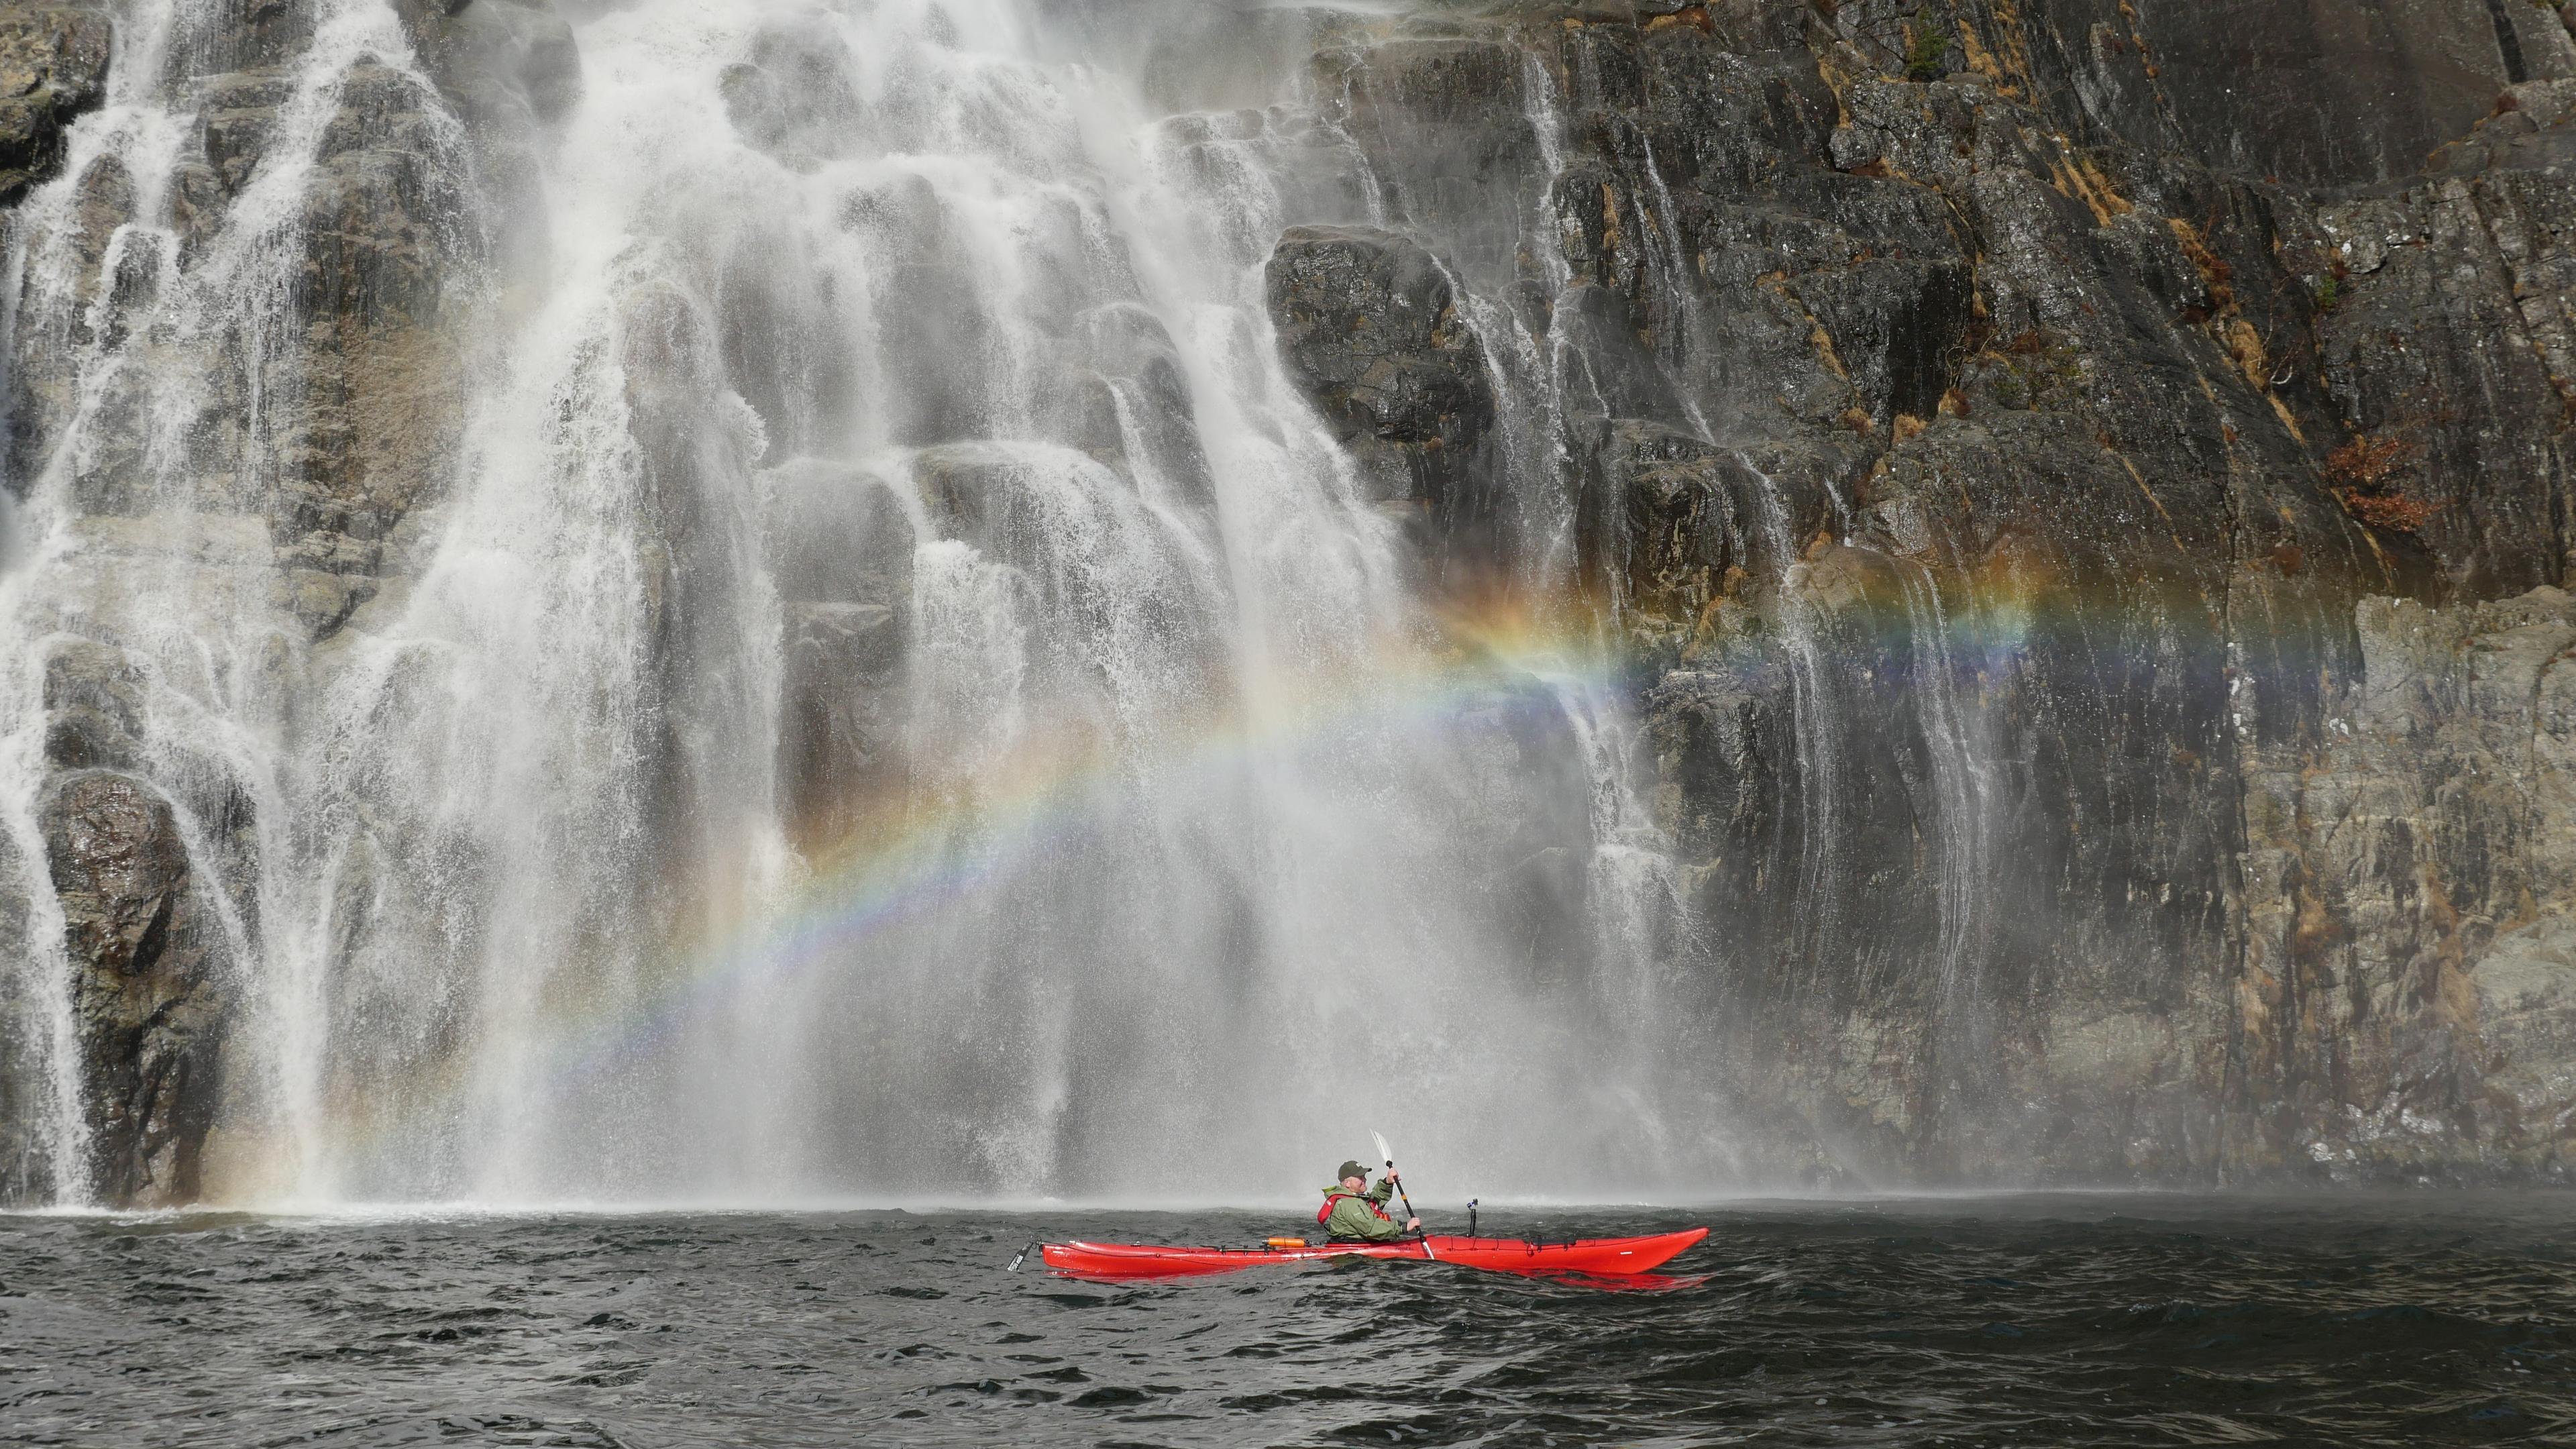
{"points": [[2059, 1320]]}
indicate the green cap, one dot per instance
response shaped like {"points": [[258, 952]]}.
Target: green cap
{"points": [[1350, 1169]]}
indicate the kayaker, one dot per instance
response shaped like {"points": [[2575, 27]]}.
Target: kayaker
{"points": [[1355, 1212]]}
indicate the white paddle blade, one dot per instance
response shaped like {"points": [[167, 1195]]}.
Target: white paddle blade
{"points": [[1385, 1153]]}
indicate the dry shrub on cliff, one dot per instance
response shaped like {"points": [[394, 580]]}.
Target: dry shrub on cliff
{"points": [[2365, 476], [2392, 513], [2371, 461]]}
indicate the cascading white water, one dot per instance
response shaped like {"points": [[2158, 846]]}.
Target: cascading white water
{"points": [[138, 525], [878, 364], [1818, 715], [1963, 774]]}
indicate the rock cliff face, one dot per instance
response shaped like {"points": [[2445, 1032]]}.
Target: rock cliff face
{"points": [[2083, 487], [2077, 492], [297, 400], [2406, 988], [53, 67]]}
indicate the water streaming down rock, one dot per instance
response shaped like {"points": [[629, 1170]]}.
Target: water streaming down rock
{"points": [[196, 499], [777, 600], [880, 501]]}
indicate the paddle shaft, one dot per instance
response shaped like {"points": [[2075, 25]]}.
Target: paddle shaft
{"points": [[1386, 1154], [1401, 1195]]}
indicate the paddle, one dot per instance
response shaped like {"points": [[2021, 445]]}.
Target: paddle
{"points": [[1386, 1155]]}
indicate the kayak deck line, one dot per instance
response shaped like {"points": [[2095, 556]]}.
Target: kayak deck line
{"points": [[1582, 1255]]}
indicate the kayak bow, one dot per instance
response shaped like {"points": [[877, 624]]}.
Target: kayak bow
{"points": [[1511, 1255]]}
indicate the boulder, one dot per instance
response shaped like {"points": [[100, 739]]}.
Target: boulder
{"points": [[1371, 331], [147, 959]]}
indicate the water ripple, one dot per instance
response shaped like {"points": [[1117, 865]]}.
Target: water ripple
{"points": [[2029, 1320]]}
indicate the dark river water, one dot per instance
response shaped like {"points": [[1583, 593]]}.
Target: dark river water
{"points": [[2054, 1320]]}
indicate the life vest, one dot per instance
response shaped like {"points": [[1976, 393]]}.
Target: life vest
{"points": [[1324, 1214]]}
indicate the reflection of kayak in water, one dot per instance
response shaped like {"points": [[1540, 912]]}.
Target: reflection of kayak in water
{"points": [[1595, 1256]]}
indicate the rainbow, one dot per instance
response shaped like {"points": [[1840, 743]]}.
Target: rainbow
{"points": [[1047, 791], [909, 854]]}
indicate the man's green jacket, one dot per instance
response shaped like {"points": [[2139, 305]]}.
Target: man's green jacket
{"points": [[1357, 1215]]}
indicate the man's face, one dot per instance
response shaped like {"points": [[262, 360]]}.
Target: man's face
{"points": [[1355, 1183]]}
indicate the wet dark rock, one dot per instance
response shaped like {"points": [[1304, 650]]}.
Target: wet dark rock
{"points": [[1988, 451], [841, 546], [26, 1107], [103, 200], [841, 741], [239, 35], [94, 704], [346, 443], [1148, 427], [836, 534], [1678, 530], [382, 218], [2346, 94], [239, 112], [510, 64], [370, 434], [1897, 325], [97, 704], [508, 70], [1450, 112], [794, 97], [2449, 347], [146, 952], [53, 67], [998, 498], [1371, 331], [929, 307], [695, 449]]}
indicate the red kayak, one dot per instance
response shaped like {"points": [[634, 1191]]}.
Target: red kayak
{"points": [[1511, 1255]]}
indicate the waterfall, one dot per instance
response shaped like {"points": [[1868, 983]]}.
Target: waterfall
{"points": [[1818, 718], [891, 691], [157, 354], [1963, 778]]}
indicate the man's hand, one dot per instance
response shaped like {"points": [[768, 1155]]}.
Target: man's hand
{"points": [[1413, 1225]]}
